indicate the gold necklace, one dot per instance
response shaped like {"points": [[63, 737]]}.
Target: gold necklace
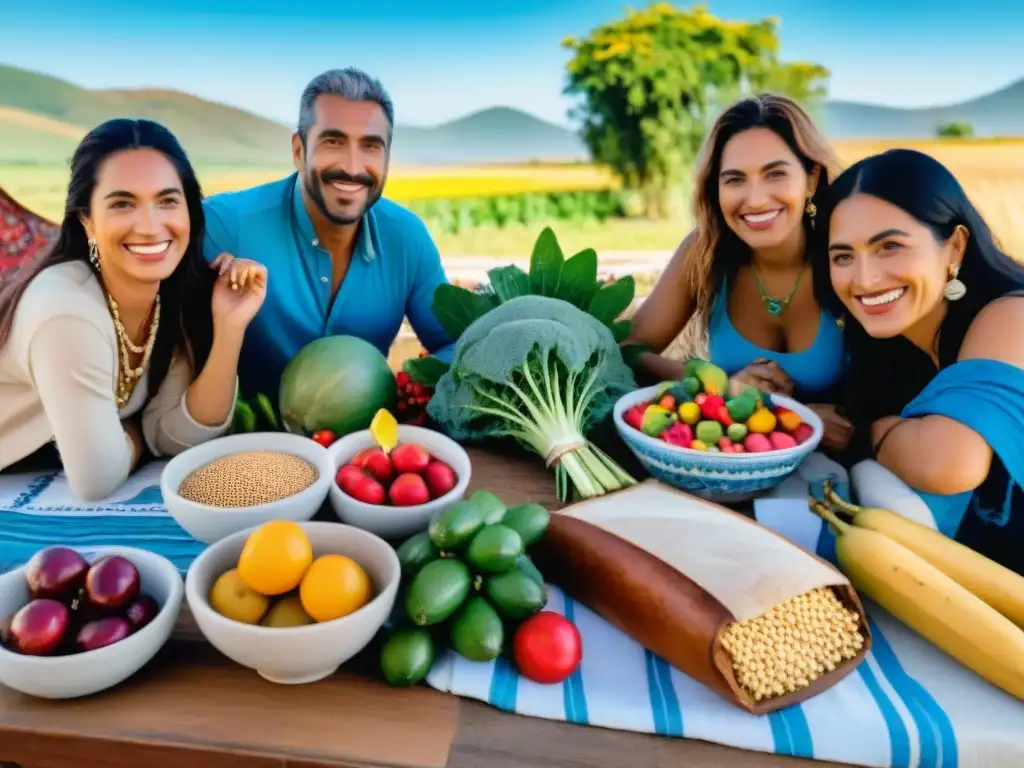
{"points": [[128, 377]]}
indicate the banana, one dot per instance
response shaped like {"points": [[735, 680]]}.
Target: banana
{"points": [[998, 586], [930, 602]]}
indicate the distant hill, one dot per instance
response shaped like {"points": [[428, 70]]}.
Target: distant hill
{"points": [[42, 118], [1000, 113], [212, 133], [495, 135]]}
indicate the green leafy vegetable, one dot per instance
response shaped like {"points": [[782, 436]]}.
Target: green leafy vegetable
{"points": [[544, 372], [425, 370], [509, 282], [612, 300], [546, 264], [578, 282], [620, 330], [456, 307], [551, 275]]}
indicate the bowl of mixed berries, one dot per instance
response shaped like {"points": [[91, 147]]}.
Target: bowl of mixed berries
{"points": [[697, 436]]}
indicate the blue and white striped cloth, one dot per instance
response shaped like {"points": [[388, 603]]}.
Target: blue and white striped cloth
{"points": [[908, 705], [38, 511]]}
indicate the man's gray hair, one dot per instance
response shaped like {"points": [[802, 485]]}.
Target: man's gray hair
{"points": [[349, 83]]}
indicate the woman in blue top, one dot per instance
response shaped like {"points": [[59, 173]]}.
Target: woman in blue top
{"points": [[743, 275], [936, 351]]}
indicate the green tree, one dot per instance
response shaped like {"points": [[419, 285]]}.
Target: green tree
{"points": [[955, 130], [650, 83]]}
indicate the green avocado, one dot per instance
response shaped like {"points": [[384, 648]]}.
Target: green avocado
{"points": [[437, 591], [494, 550], [457, 525], [406, 658], [477, 633]]}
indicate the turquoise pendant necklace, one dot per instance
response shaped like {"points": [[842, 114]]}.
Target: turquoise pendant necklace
{"points": [[777, 307]]}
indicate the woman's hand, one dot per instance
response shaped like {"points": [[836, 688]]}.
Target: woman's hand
{"points": [[238, 293], [838, 429], [763, 374]]}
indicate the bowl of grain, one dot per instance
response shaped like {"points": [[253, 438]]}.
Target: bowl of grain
{"points": [[241, 481]]}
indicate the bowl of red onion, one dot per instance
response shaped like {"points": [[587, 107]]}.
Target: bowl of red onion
{"points": [[73, 623]]}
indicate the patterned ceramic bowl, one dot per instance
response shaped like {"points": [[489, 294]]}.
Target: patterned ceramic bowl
{"points": [[722, 477]]}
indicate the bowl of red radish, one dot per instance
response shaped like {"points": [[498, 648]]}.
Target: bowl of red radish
{"points": [[394, 495]]}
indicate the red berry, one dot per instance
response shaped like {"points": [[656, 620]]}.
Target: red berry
{"points": [[401, 406], [402, 378]]}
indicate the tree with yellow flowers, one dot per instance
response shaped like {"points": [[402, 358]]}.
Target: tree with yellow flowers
{"points": [[650, 83]]}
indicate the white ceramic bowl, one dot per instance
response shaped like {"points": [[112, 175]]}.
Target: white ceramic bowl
{"points": [[83, 674], [209, 524], [398, 522], [723, 477], [308, 653]]}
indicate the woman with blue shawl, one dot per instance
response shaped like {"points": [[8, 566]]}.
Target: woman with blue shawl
{"points": [[934, 314]]}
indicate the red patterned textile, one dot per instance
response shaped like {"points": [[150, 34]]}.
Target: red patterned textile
{"points": [[23, 234]]}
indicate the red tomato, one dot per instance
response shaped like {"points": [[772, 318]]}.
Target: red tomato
{"points": [[325, 437], [547, 648]]}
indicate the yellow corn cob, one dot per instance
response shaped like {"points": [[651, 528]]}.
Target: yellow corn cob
{"points": [[931, 603], [998, 586]]}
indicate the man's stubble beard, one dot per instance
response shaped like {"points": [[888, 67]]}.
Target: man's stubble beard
{"points": [[314, 188]]}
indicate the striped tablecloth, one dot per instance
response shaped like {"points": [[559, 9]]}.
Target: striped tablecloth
{"points": [[37, 511], [907, 705]]}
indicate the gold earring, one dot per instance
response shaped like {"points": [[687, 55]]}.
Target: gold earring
{"points": [[954, 290], [811, 210], [94, 255]]}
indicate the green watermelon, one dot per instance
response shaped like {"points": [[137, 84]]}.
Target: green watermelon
{"points": [[336, 383]]}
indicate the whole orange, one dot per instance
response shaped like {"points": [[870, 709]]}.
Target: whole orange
{"points": [[275, 557], [334, 586]]}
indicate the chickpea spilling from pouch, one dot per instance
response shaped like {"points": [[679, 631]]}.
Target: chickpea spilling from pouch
{"points": [[248, 478], [787, 648]]}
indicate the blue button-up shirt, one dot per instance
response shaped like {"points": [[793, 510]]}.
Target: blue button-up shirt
{"points": [[394, 271]]}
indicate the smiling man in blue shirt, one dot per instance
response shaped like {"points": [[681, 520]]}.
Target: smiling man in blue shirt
{"points": [[340, 258]]}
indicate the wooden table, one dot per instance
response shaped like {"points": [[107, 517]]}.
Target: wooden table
{"points": [[193, 707]]}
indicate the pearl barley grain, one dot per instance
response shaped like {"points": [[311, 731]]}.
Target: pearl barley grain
{"points": [[247, 479]]}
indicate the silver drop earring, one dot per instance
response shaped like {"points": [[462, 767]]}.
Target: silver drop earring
{"points": [[954, 290], [94, 255]]}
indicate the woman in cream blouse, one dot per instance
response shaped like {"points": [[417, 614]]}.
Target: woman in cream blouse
{"points": [[121, 339]]}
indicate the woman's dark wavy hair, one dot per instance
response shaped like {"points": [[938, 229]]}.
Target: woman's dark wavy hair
{"points": [[186, 325], [924, 188]]}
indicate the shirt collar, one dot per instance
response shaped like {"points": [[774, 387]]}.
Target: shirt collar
{"points": [[364, 238]]}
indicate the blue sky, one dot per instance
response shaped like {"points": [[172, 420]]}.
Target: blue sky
{"points": [[443, 58]]}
